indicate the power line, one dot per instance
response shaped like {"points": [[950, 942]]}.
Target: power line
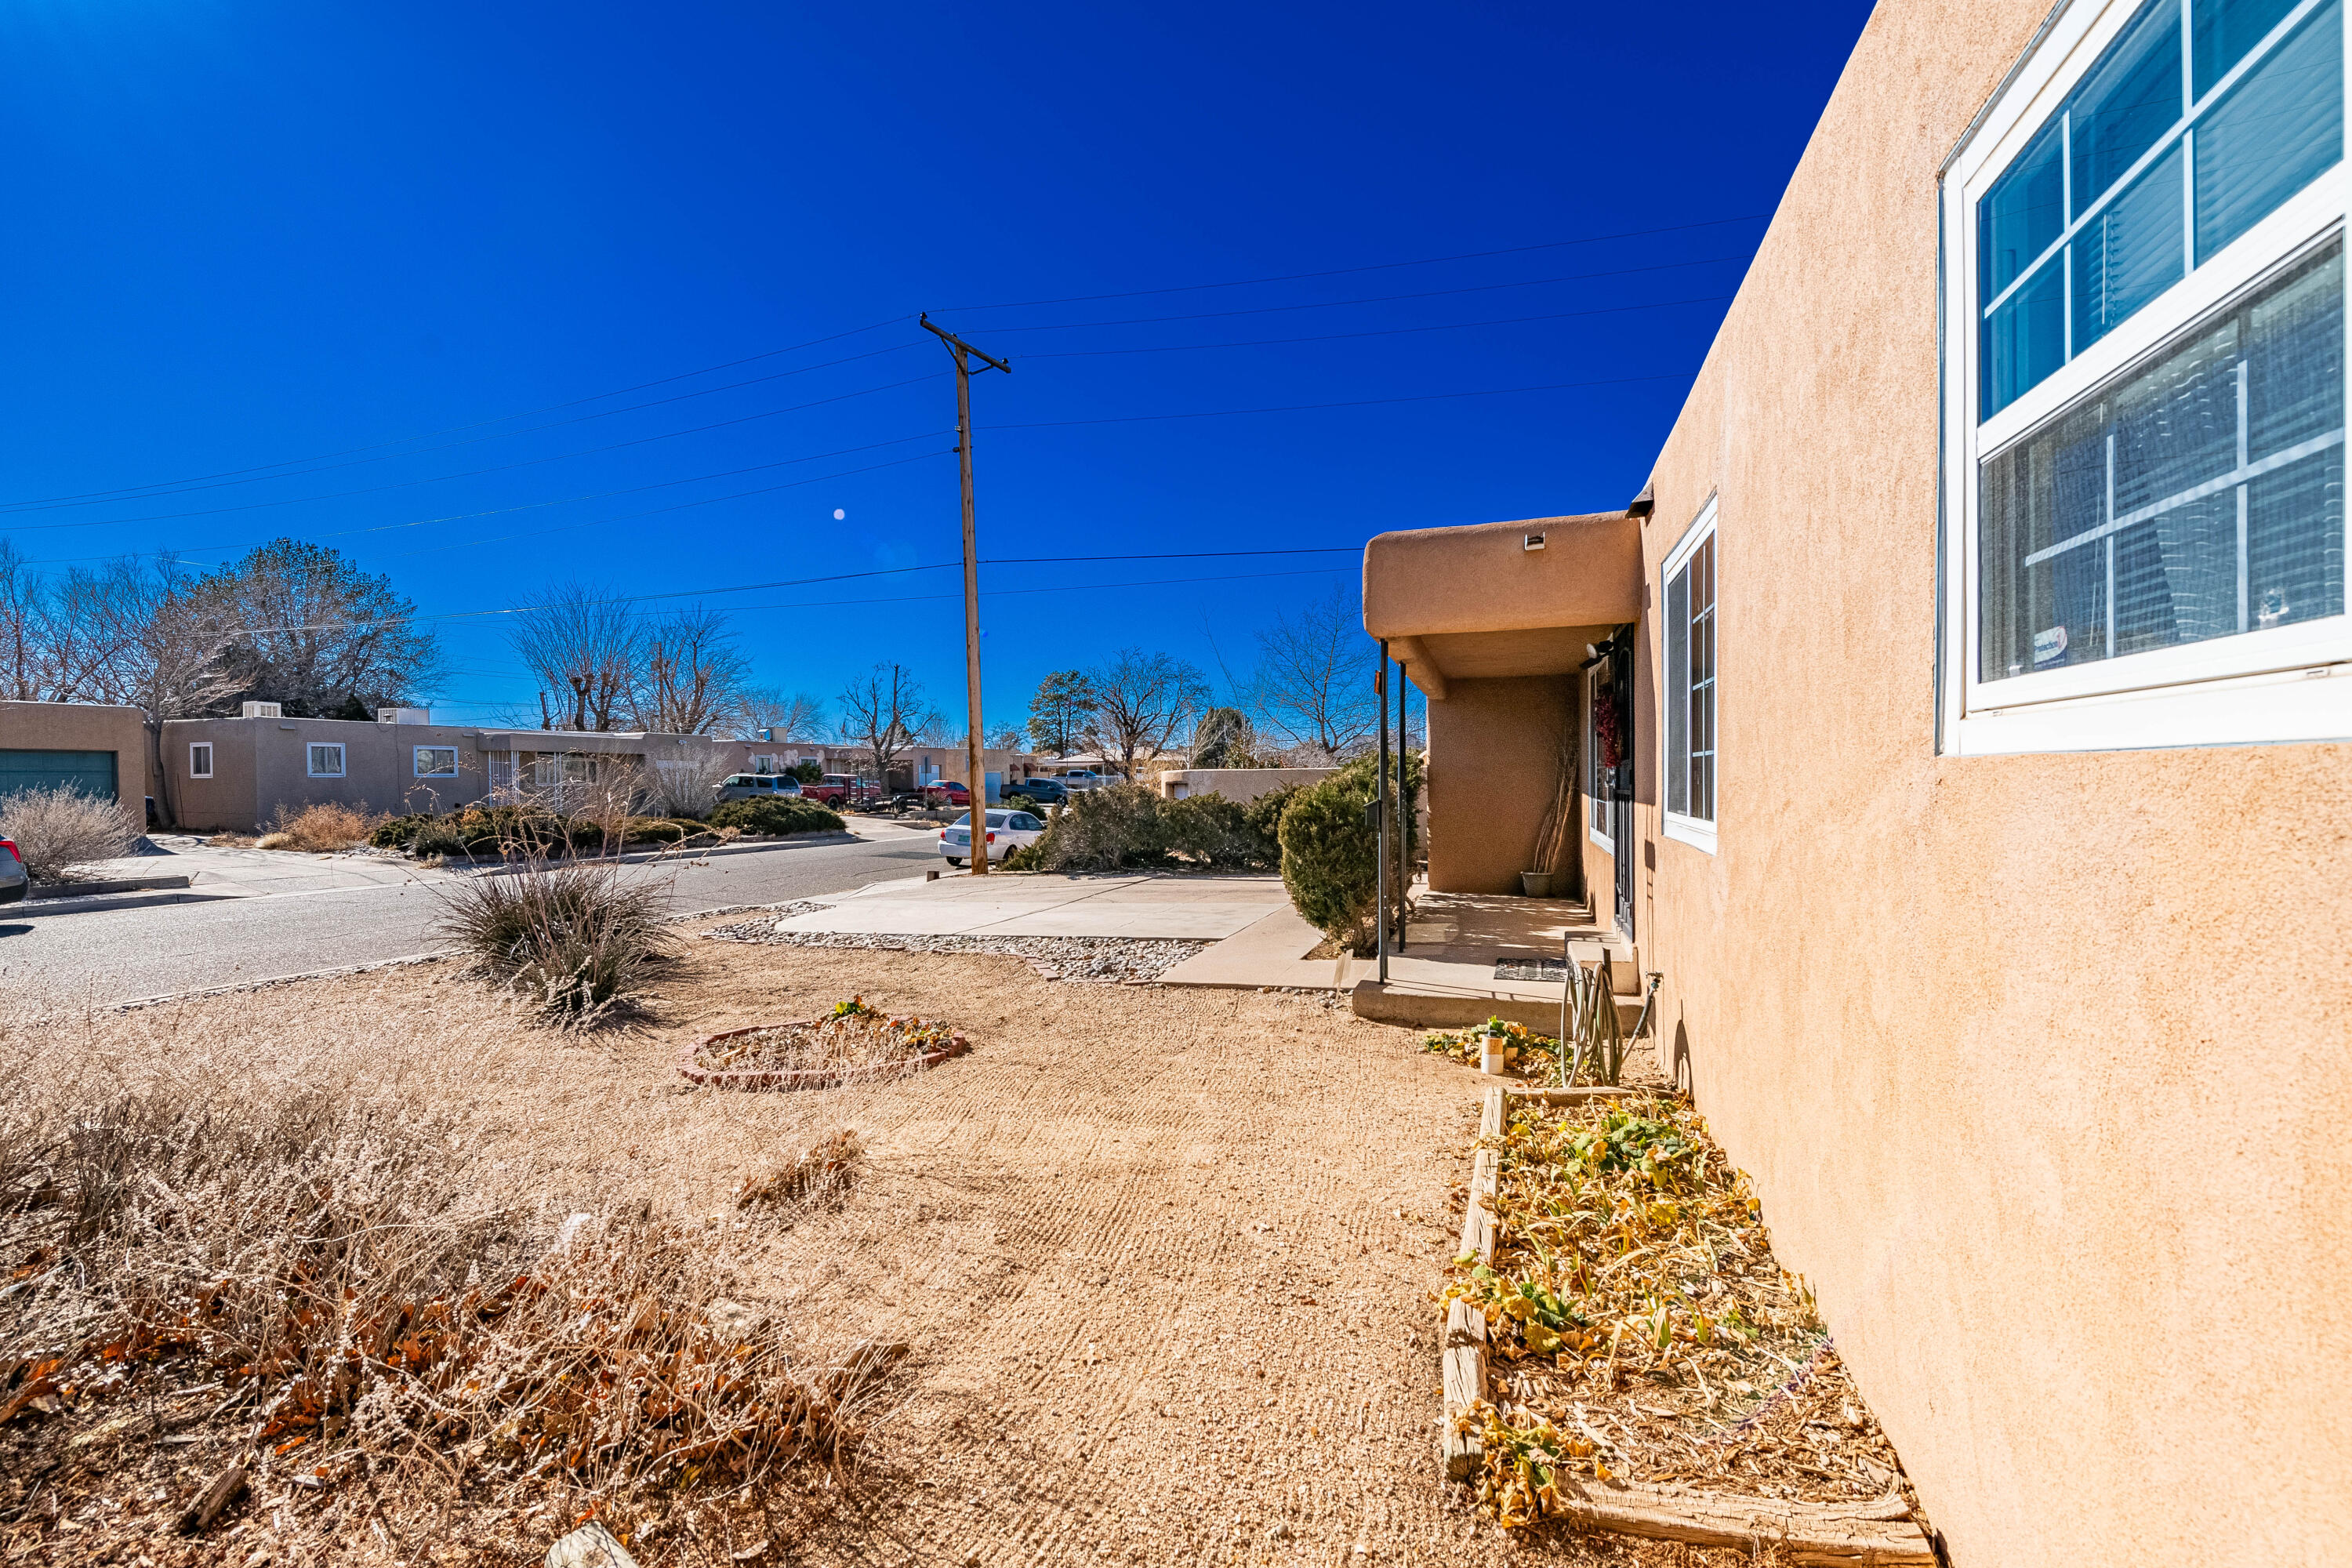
{"points": [[496, 469], [836, 578], [477, 441], [1354, 403], [1367, 299], [1381, 332], [137, 492], [532, 506], [1376, 267]]}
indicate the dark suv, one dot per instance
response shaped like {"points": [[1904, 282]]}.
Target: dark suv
{"points": [[1045, 792]]}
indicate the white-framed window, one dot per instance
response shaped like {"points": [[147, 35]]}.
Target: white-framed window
{"points": [[436, 761], [763, 762], [2145, 383], [1689, 622], [200, 759], [1599, 787], [326, 760]]}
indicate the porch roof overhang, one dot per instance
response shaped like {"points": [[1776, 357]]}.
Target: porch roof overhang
{"points": [[1480, 603]]}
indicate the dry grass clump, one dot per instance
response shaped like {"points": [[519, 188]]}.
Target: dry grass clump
{"points": [[319, 1285], [319, 830], [821, 1173], [1642, 1328], [57, 829], [579, 940]]}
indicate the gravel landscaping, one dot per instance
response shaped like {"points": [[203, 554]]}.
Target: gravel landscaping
{"points": [[1102, 960]]}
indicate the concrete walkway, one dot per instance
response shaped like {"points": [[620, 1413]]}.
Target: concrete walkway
{"points": [[1201, 909]]}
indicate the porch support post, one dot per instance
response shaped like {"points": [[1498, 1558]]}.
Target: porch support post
{"points": [[1380, 805], [1403, 799]]}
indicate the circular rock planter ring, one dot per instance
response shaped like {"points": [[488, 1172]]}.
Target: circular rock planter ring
{"points": [[691, 1065]]}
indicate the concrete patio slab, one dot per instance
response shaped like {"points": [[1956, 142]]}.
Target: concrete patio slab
{"points": [[1199, 908], [1269, 952]]}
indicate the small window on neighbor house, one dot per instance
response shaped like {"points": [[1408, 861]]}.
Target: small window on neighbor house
{"points": [[326, 761], [1690, 685], [437, 762], [200, 760]]}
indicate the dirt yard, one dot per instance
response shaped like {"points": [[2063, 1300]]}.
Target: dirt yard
{"points": [[1164, 1259]]}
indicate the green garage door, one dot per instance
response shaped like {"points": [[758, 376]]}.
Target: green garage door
{"points": [[92, 772]]}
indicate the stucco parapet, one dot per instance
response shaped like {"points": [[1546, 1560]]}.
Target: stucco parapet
{"points": [[1484, 577]]}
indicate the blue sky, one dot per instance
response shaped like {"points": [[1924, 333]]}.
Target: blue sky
{"points": [[315, 237]]}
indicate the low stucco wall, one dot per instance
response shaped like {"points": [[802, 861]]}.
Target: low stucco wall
{"points": [[1240, 785], [1492, 758], [2038, 1062]]}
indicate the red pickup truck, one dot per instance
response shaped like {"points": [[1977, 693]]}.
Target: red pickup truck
{"points": [[833, 789]]}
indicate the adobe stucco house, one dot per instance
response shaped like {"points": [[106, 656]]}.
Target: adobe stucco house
{"points": [[96, 748], [1977, 661], [238, 773]]}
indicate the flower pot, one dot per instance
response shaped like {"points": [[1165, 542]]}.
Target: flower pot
{"points": [[1537, 884]]}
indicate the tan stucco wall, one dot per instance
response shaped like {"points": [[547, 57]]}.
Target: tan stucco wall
{"points": [[1240, 785], [2039, 1062], [262, 764], [83, 727], [1491, 764]]}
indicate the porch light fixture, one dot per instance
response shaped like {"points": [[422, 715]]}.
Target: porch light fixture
{"points": [[1532, 541]]}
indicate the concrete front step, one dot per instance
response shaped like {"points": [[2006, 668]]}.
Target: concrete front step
{"points": [[1429, 1007]]}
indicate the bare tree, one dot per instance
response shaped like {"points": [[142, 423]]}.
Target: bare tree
{"points": [[1313, 685], [584, 649], [1142, 701], [882, 713], [315, 633], [692, 678], [785, 717]]}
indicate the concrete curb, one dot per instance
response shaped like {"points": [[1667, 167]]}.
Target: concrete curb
{"points": [[114, 885], [99, 902]]}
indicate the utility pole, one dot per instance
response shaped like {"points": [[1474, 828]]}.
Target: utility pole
{"points": [[976, 763]]}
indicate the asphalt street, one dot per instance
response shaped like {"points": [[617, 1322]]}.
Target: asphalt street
{"points": [[114, 955]]}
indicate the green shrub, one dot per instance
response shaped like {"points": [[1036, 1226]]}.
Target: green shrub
{"points": [[1330, 854], [1265, 814], [1111, 829], [660, 830], [807, 772], [784, 815], [1209, 830], [396, 832]]}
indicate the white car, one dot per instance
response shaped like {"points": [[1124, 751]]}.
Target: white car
{"points": [[1007, 831]]}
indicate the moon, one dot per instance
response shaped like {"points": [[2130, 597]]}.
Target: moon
{"points": [[838, 514]]}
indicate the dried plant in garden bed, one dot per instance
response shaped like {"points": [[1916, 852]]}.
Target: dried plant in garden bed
{"points": [[1640, 1329], [1526, 1054], [853, 1043], [297, 1300]]}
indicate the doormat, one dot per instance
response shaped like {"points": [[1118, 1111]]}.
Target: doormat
{"points": [[1532, 969]]}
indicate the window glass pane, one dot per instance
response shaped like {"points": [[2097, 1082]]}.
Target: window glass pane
{"points": [[2294, 362], [2277, 130], [2023, 213], [1678, 692], [2177, 576], [2116, 528], [2025, 339], [1702, 701], [2129, 100], [2224, 30], [2130, 253], [2295, 542]]}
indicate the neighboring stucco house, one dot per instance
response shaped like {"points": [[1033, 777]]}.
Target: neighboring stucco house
{"points": [[1962, 717], [238, 774], [92, 747]]}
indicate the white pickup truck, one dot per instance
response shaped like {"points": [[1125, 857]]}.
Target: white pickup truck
{"points": [[1083, 778]]}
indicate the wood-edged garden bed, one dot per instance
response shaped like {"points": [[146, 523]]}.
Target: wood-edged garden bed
{"points": [[1623, 1352]]}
